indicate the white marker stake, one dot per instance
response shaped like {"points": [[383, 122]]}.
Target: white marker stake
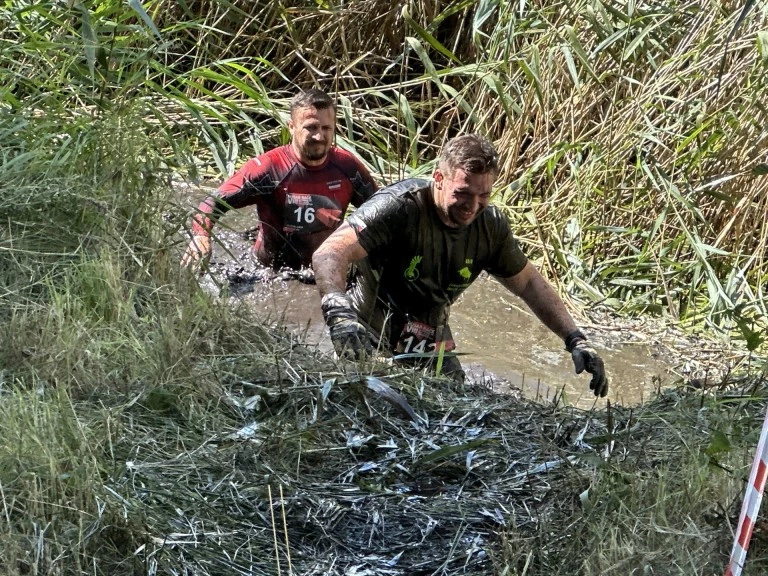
{"points": [[751, 505]]}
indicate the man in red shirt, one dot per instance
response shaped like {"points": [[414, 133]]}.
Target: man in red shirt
{"points": [[301, 190]]}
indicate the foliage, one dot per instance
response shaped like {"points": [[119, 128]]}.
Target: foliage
{"points": [[625, 173]]}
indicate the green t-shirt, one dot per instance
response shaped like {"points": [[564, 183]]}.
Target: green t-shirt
{"points": [[416, 265]]}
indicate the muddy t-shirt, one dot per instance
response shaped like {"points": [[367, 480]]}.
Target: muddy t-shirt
{"points": [[298, 206], [416, 265]]}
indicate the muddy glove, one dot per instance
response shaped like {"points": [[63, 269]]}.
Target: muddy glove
{"points": [[350, 338], [585, 358]]}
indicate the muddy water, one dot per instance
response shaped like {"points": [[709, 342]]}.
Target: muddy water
{"points": [[501, 343]]}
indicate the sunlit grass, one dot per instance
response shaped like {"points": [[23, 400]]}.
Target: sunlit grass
{"points": [[627, 177]]}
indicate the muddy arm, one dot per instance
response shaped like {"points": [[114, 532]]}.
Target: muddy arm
{"points": [[542, 299], [332, 259]]}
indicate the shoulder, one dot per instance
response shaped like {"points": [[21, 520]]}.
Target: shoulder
{"points": [[406, 190], [280, 158], [347, 162], [493, 214], [396, 206]]}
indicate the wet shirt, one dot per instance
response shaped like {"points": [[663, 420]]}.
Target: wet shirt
{"points": [[298, 206], [416, 265]]}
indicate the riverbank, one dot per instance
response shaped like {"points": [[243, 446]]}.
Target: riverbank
{"points": [[295, 464]]}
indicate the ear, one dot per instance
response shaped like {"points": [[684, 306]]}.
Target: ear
{"points": [[437, 176]]}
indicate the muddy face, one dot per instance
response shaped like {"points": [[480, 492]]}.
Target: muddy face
{"points": [[460, 196]]}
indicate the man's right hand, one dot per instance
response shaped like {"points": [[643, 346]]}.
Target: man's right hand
{"points": [[198, 251], [350, 338]]}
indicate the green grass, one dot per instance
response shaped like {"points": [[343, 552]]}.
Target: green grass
{"points": [[629, 180]]}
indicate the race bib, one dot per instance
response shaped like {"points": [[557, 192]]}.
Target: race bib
{"points": [[420, 338], [307, 213]]}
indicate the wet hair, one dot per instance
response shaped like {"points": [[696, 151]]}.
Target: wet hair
{"points": [[312, 98], [472, 153]]}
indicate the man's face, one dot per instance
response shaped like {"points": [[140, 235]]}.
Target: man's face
{"points": [[460, 196], [312, 133]]}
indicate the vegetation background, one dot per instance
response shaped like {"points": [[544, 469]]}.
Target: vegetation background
{"points": [[633, 172]]}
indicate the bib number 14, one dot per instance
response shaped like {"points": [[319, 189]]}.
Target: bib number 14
{"points": [[420, 346]]}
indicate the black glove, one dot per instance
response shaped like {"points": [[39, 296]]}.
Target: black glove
{"points": [[585, 358], [350, 338]]}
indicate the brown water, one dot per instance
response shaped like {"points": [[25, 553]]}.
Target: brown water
{"points": [[500, 340]]}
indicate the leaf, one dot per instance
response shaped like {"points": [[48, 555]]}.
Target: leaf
{"points": [[139, 9], [584, 499], [326, 389], [760, 170], [392, 396], [428, 38], [90, 42], [752, 338], [483, 11], [448, 451], [718, 444], [762, 45], [571, 66], [744, 11]]}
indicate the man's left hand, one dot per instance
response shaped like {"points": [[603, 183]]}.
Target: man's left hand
{"points": [[585, 358]]}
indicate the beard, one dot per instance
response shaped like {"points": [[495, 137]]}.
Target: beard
{"points": [[314, 150], [458, 217]]}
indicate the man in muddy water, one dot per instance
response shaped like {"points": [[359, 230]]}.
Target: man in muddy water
{"points": [[416, 246], [301, 190]]}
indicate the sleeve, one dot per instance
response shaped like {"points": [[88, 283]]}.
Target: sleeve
{"points": [[507, 259], [363, 184], [252, 180], [379, 222]]}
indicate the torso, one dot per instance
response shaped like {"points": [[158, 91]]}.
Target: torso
{"points": [[298, 206], [423, 265]]}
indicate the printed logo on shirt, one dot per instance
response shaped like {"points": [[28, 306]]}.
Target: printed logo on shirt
{"points": [[334, 185], [466, 277], [411, 273]]}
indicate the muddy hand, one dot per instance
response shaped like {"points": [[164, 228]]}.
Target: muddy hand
{"points": [[198, 252], [350, 338], [585, 358]]}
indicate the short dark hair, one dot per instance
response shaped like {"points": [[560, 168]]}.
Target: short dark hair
{"points": [[473, 153], [312, 98]]}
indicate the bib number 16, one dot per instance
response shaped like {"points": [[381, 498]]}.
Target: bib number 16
{"points": [[305, 214]]}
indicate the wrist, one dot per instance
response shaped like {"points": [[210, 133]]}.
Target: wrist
{"points": [[337, 306], [574, 338]]}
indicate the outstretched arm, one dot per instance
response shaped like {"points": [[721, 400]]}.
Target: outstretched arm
{"points": [[542, 299]]}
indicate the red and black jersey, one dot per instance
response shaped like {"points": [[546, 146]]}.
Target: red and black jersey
{"points": [[298, 206]]}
